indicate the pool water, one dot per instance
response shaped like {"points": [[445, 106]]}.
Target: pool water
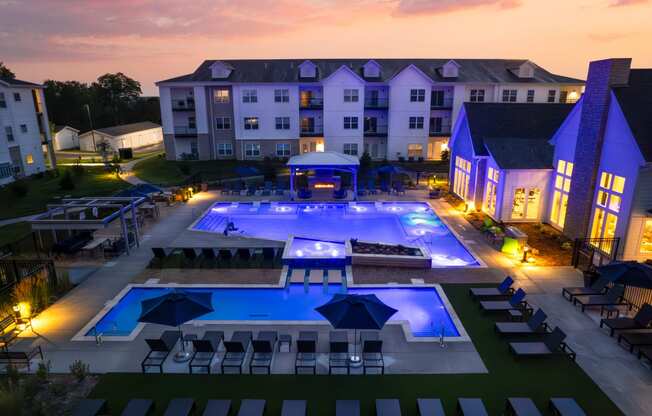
{"points": [[407, 223], [421, 307]]}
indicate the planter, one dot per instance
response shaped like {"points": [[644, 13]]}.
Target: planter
{"points": [[388, 255]]}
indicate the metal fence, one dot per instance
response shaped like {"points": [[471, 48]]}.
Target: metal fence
{"points": [[589, 253], [12, 271]]}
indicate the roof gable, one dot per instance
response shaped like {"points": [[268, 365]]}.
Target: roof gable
{"points": [[345, 69], [411, 68], [371, 69], [307, 69], [635, 101], [450, 69]]}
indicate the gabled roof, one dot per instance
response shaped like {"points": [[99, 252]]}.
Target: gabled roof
{"points": [[323, 159], [515, 135], [127, 128], [636, 103], [287, 70], [17, 82], [60, 127]]}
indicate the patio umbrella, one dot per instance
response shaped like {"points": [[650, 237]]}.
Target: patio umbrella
{"points": [[628, 273], [391, 170], [246, 171], [356, 312], [174, 309]]}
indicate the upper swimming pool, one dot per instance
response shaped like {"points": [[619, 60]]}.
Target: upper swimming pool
{"points": [[407, 223]]}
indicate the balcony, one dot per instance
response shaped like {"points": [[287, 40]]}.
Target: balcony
{"points": [[379, 130], [183, 106], [445, 130], [376, 103], [311, 103], [312, 131], [444, 104], [185, 131]]}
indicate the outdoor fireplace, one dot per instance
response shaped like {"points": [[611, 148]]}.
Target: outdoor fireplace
{"points": [[324, 182]]}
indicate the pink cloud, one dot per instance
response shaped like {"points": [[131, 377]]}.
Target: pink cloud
{"points": [[620, 3], [411, 7]]}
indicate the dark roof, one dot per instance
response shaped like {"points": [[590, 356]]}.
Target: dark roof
{"points": [[18, 83], [287, 70], [516, 135], [59, 127], [128, 128], [636, 102]]}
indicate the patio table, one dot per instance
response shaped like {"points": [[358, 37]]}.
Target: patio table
{"points": [[94, 245]]}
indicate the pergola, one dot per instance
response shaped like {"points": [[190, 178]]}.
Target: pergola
{"points": [[324, 161]]}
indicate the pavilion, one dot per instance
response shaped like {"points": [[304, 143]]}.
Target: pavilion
{"points": [[324, 162]]}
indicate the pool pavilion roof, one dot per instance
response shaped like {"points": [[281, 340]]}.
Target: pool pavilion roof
{"points": [[324, 160]]}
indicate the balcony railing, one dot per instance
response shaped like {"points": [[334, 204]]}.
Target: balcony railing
{"points": [[445, 130], [312, 131], [376, 131], [183, 106], [313, 102], [447, 102], [376, 103], [185, 131]]}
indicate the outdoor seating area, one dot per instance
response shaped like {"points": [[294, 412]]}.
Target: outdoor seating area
{"points": [[217, 257]]}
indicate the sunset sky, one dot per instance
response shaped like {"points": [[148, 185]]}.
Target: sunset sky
{"points": [[153, 40]]}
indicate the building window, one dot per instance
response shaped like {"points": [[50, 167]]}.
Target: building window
{"points": [[530, 96], [437, 98], [251, 123], [563, 96], [252, 149], [17, 97], [461, 178], [417, 95], [224, 149], [282, 149], [560, 194], [3, 101], [223, 123], [350, 123], [415, 150], [282, 96], [282, 123], [351, 149], [526, 204], [222, 96], [646, 238], [509, 96], [350, 95], [493, 178], [416, 123], [29, 159], [249, 96], [606, 210], [23, 128], [436, 124], [552, 95], [10, 133], [477, 96]]}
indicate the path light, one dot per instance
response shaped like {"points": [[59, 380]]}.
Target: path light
{"points": [[526, 252], [16, 309]]}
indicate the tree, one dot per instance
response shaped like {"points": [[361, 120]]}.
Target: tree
{"points": [[116, 93], [6, 72]]}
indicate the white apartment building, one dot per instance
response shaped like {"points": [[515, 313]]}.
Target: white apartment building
{"points": [[24, 130], [395, 109]]}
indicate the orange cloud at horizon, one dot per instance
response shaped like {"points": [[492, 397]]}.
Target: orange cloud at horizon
{"points": [[153, 40]]}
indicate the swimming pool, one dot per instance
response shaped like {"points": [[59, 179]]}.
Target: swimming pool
{"points": [[407, 223], [424, 311]]}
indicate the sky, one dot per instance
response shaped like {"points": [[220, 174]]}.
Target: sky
{"points": [[151, 40]]}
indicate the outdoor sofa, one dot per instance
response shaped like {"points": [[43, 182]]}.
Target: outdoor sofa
{"points": [[613, 297]]}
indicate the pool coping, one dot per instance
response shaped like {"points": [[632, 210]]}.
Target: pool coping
{"points": [[405, 325]]}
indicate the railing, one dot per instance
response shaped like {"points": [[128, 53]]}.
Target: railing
{"points": [[593, 252], [445, 130], [374, 131], [447, 102], [183, 107], [313, 102], [376, 103], [185, 131], [12, 271], [312, 131]]}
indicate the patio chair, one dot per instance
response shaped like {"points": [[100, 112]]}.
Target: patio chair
{"points": [[90, 407], [385, 188], [347, 408], [217, 408], [159, 349], [635, 338], [388, 407], [613, 297], [597, 288], [180, 407], [399, 188], [565, 406], [267, 190], [430, 407], [338, 357], [503, 289], [236, 350], [552, 344], [204, 350], [264, 347], [306, 357], [304, 194], [515, 302], [372, 356], [249, 407], [641, 320], [11, 327], [371, 187], [471, 407], [226, 189], [294, 408], [535, 325], [251, 190], [138, 407], [160, 254], [521, 406]]}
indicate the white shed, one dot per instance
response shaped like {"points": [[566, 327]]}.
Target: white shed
{"points": [[65, 137], [134, 135]]}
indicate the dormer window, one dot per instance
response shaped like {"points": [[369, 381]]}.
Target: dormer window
{"points": [[220, 70], [451, 69], [371, 70], [307, 70], [524, 71]]}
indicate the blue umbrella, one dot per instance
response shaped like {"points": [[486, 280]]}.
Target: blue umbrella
{"points": [[246, 171], [391, 169], [629, 273]]}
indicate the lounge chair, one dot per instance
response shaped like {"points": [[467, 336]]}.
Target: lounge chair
{"points": [[263, 355], [399, 188], [565, 406], [267, 190], [236, 350], [371, 187], [205, 350], [635, 338], [347, 408], [552, 344], [159, 349], [515, 302], [641, 320], [597, 288], [138, 407], [388, 407], [521, 406], [251, 190], [535, 325], [306, 352], [471, 407], [372, 355], [430, 407], [180, 407], [250, 407], [613, 297], [503, 289], [90, 407], [338, 356], [217, 408], [294, 408]]}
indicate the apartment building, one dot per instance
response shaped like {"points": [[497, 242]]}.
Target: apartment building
{"points": [[24, 130], [390, 108]]}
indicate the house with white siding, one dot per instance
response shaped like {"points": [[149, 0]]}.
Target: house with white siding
{"points": [[65, 137], [134, 136]]}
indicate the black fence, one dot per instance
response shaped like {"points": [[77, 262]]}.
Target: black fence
{"points": [[12, 271], [589, 253]]}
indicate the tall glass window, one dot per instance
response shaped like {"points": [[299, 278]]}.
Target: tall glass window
{"points": [[607, 207], [461, 178], [493, 177], [560, 193]]}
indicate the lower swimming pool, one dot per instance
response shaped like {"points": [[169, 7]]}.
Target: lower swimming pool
{"points": [[424, 310]]}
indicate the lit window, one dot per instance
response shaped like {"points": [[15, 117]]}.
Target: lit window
{"points": [[282, 96], [249, 96], [646, 238], [560, 193], [493, 177], [608, 201], [251, 123], [221, 96], [417, 95], [461, 177], [29, 159], [415, 150], [350, 95], [618, 185]]}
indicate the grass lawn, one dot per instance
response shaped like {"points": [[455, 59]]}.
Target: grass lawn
{"points": [[539, 379], [41, 191]]}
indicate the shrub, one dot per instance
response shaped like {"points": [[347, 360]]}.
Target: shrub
{"points": [[79, 370], [184, 168], [35, 291], [445, 155], [43, 371], [10, 403], [19, 189], [66, 182], [567, 245]]}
